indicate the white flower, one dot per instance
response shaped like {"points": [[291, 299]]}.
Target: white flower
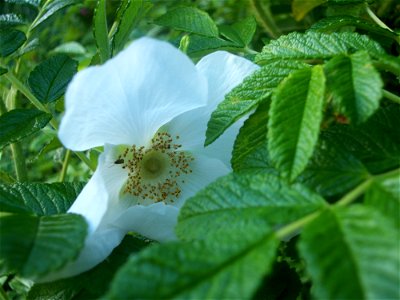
{"points": [[149, 107]]}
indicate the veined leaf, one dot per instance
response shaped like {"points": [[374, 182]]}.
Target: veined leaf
{"points": [[238, 199], [19, 123], [250, 151], [100, 30], [316, 45], [295, 117], [333, 170], [32, 246], [93, 283], [201, 45], [247, 95], [331, 24], [384, 195], [355, 84], [356, 245], [228, 268], [10, 41], [241, 32], [9, 20], [129, 14], [51, 8], [378, 152], [189, 19], [38, 198], [49, 80]]}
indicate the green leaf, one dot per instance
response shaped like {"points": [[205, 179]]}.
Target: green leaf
{"points": [[49, 80], [10, 41], [378, 152], [189, 19], [71, 48], [33, 246], [352, 245], [129, 14], [238, 199], [201, 45], [332, 24], [100, 30], [384, 196], [388, 63], [355, 84], [10, 20], [316, 45], [241, 32], [93, 283], [247, 95], [333, 170], [295, 117], [250, 151], [50, 8], [300, 7], [228, 268], [38, 198], [19, 123]]}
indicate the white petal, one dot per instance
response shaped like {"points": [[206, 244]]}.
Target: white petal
{"points": [[101, 191], [156, 221], [204, 171], [126, 100], [98, 246], [223, 71]]}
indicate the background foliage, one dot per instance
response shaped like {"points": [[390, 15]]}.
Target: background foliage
{"points": [[311, 209]]}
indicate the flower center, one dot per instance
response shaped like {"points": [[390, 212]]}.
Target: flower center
{"points": [[156, 173]]}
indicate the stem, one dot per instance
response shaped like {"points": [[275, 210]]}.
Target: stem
{"points": [[354, 193], [296, 225], [264, 16], [391, 96], [19, 162], [86, 160], [65, 165]]}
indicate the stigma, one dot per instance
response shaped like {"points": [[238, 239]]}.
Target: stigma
{"points": [[155, 173]]}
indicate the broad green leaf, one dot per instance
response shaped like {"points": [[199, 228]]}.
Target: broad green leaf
{"points": [[129, 14], [189, 19], [100, 30], [333, 170], [93, 283], [49, 80], [332, 24], [10, 41], [300, 7], [34, 3], [33, 246], [247, 95], [384, 196], [3, 71], [50, 8], [28, 47], [295, 118], [250, 151], [352, 245], [237, 199], [201, 45], [11, 19], [241, 32], [355, 84], [228, 268], [316, 45], [388, 63], [378, 152], [38, 198], [19, 123]]}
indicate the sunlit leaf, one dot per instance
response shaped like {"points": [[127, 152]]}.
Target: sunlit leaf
{"points": [[19, 123]]}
